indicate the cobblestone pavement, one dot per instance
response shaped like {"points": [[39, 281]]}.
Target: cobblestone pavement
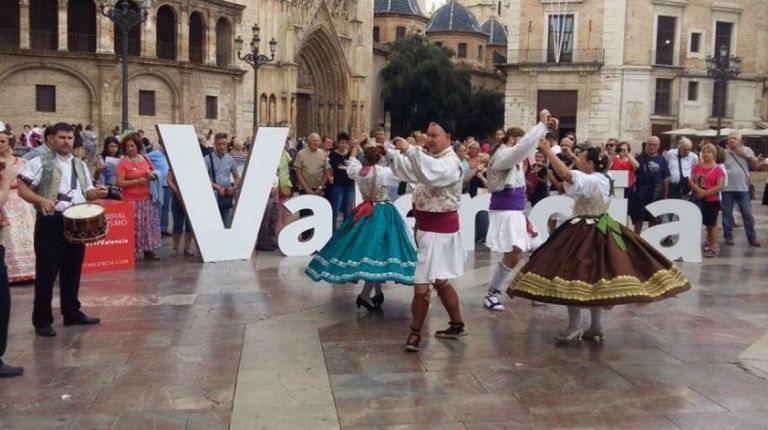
{"points": [[256, 345]]}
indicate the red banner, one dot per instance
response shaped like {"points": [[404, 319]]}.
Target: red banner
{"points": [[116, 251]]}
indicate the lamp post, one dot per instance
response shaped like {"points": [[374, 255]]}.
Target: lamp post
{"points": [[126, 14], [255, 60], [722, 68]]}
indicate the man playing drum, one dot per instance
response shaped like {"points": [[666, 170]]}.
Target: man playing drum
{"points": [[52, 183]]}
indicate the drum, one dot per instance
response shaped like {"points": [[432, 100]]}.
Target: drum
{"points": [[85, 223]]}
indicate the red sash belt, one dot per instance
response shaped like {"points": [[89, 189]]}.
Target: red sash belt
{"points": [[437, 222], [363, 210]]}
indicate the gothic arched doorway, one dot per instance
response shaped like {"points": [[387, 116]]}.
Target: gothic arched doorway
{"points": [[322, 87]]}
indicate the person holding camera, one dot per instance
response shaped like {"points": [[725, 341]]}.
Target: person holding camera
{"points": [[624, 160]]}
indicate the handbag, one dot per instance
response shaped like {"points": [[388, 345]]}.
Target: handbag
{"points": [[225, 201], [114, 193], [685, 187]]}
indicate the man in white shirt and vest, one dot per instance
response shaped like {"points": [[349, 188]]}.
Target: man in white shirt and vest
{"points": [[436, 171], [52, 183]]}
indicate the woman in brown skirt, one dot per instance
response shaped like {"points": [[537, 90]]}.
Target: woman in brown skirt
{"points": [[600, 263]]}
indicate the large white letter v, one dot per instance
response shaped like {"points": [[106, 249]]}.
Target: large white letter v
{"points": [[217, 243]]}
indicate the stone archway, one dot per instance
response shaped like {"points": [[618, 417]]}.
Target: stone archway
{"points": [[322, 87]]}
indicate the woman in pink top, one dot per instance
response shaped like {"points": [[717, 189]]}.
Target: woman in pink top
{"points": [[707, 179], [625, 161], [134, 173]]}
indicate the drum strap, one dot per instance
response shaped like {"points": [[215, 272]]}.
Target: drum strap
{"points": [[73, 180]]}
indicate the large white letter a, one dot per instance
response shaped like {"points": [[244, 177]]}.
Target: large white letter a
{"points": [[217, 243]]}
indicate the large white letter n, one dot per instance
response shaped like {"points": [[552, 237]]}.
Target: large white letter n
{"points": [[217, 243]]}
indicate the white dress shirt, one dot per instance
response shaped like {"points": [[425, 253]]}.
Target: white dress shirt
{"points": [[33, 172]]}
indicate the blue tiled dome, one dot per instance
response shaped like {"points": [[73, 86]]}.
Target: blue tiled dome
{"points": [[497, 35], [453, 17], [401, 7]]}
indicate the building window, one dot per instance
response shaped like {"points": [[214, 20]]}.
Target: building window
{"points": [[146, 103], [438, 43], [695, 42], [166, 33], [400, 33], [665, 40], [723, 31], [719, 97], [693, 91], [462, 50], [480, 53], [661, 106], [375, 34], [45, 98], [560, 43], [211, 107]]}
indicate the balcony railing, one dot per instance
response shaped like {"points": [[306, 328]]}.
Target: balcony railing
{"points": [[166, 50], [81, 42], [196, 54], [9, 38], [665, 57], [547, 57], [134, 46], [44, 39], [223, 60]]}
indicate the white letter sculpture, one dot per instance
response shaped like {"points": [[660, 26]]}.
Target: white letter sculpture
{"points": [[215, 241], [320, 220], [687, 228]]}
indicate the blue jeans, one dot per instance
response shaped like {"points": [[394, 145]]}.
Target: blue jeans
{"points": [[341, 201], [164, 209], [745, 206]]}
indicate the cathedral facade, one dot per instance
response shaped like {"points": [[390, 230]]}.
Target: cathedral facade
{"points": [[60, 60]]}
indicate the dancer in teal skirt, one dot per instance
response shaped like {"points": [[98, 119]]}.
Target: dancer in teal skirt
{"points": [[374, 245]]}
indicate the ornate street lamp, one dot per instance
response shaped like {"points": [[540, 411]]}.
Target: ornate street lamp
{"points": [[722, 68], [255, 60], [126, 14]]}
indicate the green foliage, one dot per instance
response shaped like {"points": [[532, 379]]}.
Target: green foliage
{"points": [[421, 84]]}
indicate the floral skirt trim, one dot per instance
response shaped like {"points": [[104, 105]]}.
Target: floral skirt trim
{"points": [[606, 292], [351, 277]]}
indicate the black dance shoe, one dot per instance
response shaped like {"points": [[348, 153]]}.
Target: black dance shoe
{"points": [[378, 300], [46, 331], [360, 302], [83, 320], [7, 371]]}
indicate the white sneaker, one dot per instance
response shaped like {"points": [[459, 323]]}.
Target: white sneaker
{"points": [[493, 303]]}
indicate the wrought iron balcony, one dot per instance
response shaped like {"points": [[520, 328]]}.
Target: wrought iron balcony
{"points": [[77, 42], [547, 57], [44, 39], [9, 38]]}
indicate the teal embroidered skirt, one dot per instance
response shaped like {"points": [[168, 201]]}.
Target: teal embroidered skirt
{"points": [[375, 248]]}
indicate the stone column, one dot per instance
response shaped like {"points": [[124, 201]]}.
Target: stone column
{"points": [[149, 35], [63, 25], [24, 27], [210, 40], [105, 35], [182, 42]]}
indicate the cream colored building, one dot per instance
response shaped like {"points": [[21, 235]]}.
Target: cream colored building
{"points": [[58, 62], [632, 68], [477, 46]]}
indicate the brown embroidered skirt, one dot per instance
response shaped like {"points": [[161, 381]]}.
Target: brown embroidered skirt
{"points": [[579, 265]]}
